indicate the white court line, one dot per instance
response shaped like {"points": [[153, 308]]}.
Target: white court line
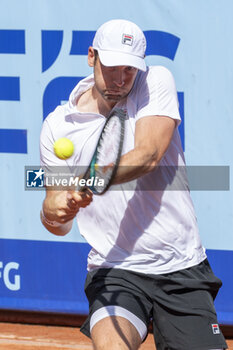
{"points": [[45, 343], [8, 336]]}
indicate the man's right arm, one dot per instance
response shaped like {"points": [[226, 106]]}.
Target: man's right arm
{"points": [[60, 205]]}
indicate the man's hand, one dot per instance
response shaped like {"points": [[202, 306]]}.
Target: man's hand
{"points": [[61, 207], [76, 200]]}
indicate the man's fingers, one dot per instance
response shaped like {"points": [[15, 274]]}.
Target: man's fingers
{"points": [[72, 204], [81, 195], [79, 199]]}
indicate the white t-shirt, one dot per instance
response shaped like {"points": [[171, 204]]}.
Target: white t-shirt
{"points": [[149, 225]]}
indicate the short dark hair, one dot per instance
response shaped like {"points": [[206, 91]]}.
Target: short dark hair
{"points": [[96, 55]]}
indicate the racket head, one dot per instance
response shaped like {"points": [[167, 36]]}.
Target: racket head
{"points": [[105, 160]]}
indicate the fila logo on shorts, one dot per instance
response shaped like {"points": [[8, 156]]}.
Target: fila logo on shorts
{"points": [[215, 328], [127, 39]]}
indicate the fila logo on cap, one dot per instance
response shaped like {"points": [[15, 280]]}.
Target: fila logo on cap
{"points": [[127, 39], [215, 328]]}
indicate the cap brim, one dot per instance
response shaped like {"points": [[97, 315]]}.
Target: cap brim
{"points": [[115, 58]]}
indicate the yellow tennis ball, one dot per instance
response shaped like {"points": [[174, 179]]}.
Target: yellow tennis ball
{"points": [[63, 148]]}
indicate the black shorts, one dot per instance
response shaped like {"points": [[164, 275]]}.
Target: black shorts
{"points": [[180, 304]]}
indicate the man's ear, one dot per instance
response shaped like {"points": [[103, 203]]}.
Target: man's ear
{"points": [[91, 56]]}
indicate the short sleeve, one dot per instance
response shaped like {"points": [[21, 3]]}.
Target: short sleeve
{"points": [[157, 95]]}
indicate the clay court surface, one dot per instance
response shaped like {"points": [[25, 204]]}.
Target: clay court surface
{"points": [[15, 336]]}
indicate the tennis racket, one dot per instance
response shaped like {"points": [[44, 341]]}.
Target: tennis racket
{"points": [[105, 160]]}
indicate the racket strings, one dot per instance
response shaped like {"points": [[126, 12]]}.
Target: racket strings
{"points": [[108, 149], [106, 157]]}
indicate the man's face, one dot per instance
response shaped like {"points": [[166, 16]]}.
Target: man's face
{"points": [[113, 83]]}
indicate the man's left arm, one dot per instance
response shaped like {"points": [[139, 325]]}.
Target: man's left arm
{"points": [[153, 135]]}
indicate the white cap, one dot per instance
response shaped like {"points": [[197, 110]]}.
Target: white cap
{"points": [[120, 43]]}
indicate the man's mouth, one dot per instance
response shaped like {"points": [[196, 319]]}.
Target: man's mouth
{"points": [[113, 92]]}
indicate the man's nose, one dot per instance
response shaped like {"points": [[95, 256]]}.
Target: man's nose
{"points": [[119, 79]]}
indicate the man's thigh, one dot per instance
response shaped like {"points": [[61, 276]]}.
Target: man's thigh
{"points": [[115, 332]]}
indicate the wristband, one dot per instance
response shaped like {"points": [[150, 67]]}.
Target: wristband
{"points": [[48, 222]]}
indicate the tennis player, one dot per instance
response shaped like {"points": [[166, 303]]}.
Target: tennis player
{"points": [[147, 261]]}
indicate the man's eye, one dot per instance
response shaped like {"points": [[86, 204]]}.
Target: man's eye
{"points": [[130, 69]]}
